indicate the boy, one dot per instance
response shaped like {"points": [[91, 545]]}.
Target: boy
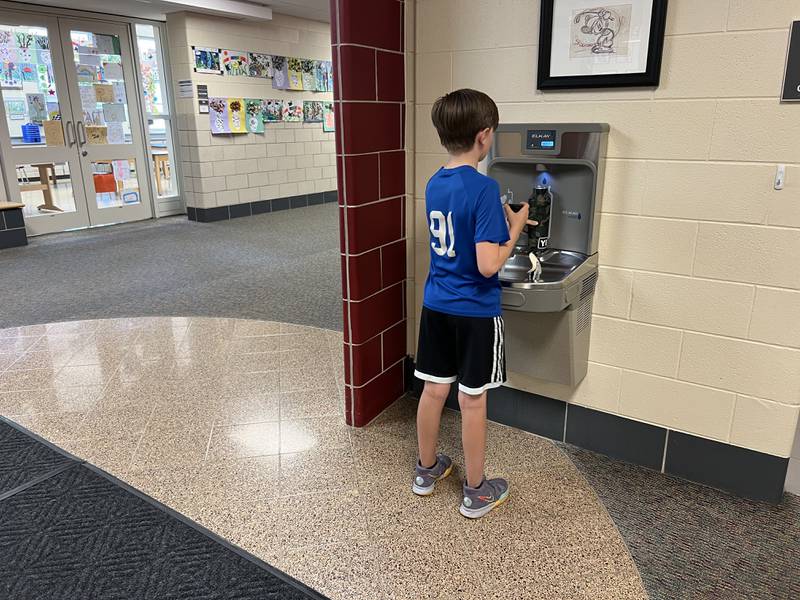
{"points": [[461, 328]]}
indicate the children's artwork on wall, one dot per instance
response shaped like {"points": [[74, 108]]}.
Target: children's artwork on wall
{"points": [[44, 57], [260, 65], [329, 73], [236, 115], [295, 71], [280, 75], [96, 134], [46, 80], [206, 60], [320, 76], [6, 37], [255, 121], [116, 134], [15, 109], [42, 42], [292, 111], [53, 111], [312, 111], [114, 113], [28, 72], [308, 74], [218, 115], [104, 92], [235, 63], [26, 55], [112, 71], [37, 107], [11, 77], [23, 40], [86, 72], [9, 55], [53, 133], [272, 110], [328, 120]]}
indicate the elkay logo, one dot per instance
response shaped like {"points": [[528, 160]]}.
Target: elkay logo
{"points": [[572, 214]]}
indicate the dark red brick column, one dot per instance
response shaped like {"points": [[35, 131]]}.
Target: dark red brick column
{"points": [[369, 94]]}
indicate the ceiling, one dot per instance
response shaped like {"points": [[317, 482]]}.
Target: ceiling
{"points": [[317, 10]]}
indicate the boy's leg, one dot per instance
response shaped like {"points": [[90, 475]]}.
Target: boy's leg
{"points": [[429, 415], [473, 435]]}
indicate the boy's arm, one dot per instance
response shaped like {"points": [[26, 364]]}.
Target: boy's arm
{"points": [[491, 257]]}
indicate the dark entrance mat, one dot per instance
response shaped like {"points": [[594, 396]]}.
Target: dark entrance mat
{"points": [[80, 533], [24, 460]]}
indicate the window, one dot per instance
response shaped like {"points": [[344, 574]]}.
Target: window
{"points": [[161, 152]]}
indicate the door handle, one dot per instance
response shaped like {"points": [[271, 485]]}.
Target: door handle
{"points": [[82, 137], [71, 139]]}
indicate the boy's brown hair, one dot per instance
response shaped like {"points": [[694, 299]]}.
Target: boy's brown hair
{"points": [[460, 115]]}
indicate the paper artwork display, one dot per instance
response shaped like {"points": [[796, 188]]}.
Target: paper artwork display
{"points": [[312, 111], [9, 55], [272, 110], [106, 44], [309, 76], [44, 57], [328, 120], [119, 92], [121, 169], [16, 109], [53, 133], [37, 107], [292, 111], [115, 134], [235, 63], [89, 59], [260, 65], [236, 115], [96, 134], [26, 55], [114, 113], [294, 68], [86, 72], [255, 122], [112, 71], [53, 111], [206, 60], [11, 77], [46, 81], [218, 115], [6, 37], [280, 77], [320, 76], [42, 42], [88, 97], [104, 92], [28, 72], [23, 40]]}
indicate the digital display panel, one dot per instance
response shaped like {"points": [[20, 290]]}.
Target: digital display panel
{"points": [[541, 139]]}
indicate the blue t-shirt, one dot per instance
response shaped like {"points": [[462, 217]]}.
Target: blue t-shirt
{"points": [[463, 208]]}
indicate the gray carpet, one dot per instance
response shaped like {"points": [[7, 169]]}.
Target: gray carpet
{"points": [[695, 542], [281, 266]]}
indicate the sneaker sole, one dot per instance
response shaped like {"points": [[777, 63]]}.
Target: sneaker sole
{"points": [[477, 513], [427, 491]]}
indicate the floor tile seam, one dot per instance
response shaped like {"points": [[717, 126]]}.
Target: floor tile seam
{"points": [[611, 519]]}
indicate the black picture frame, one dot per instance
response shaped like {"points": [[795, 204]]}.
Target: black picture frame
{"points": [[649, 78]]}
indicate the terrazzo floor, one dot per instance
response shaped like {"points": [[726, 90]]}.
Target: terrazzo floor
{"points": [[238, 424]]}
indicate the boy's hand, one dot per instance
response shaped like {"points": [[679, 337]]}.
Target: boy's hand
{"points": [[517, 220]]}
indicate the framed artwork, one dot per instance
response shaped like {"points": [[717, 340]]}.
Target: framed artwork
{"points": [[586, 44], [206, 60]]}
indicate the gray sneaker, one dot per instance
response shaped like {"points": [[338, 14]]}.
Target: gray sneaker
{"points": [[425, 479], [480, 500]]}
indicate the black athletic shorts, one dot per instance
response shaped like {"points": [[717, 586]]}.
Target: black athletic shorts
{"points": [[470, 350]]}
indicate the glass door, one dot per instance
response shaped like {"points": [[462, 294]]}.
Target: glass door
{"points": [[38, 134], [102, 83]]}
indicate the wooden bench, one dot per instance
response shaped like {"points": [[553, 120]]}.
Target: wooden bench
{"points": [[12, 225]]}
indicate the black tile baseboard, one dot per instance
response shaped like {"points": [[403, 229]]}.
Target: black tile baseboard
{"points": [[741, 471], [246, 209], [615, 436], [12, 229], [746, 473]]}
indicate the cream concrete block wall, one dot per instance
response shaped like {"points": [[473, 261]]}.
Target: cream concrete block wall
{"points": [[246, 163], [697, 311]]}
